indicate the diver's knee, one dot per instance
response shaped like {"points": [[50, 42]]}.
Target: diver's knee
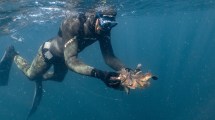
{"points": [[31, 76]]}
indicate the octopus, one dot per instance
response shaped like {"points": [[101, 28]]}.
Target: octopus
{"points": [[133, 79]]}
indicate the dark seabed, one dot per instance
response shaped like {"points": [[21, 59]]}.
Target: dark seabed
{"points": [[173, 39]]}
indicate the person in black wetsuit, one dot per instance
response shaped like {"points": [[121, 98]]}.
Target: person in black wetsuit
{"points": [[75, 34]]}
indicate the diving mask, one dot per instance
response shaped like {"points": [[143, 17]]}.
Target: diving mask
{"points": [[107, 22]]}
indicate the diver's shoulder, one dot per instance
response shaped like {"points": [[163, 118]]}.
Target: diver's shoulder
{"points": [[70, 23]]}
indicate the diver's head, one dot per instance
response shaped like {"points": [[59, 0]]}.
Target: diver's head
{"points": [[105, 18]]}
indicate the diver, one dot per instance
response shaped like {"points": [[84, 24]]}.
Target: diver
{"points": [[76, 32]]}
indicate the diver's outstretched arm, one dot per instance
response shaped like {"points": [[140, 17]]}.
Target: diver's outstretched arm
{"points": [[73, 63], [71, 60], [108, 54]]}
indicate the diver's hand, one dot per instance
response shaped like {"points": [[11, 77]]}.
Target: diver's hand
{"points": [[106, 77], [110, 82]]}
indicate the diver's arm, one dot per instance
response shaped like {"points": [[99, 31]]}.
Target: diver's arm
{"points": [[108, 54], [76, 65], [73, 63]]}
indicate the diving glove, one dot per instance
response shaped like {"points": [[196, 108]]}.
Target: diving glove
{"points": [[106, 77]]}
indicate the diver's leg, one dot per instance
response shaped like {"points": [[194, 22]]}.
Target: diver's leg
{"points": [[38, 67], [60, 70]]}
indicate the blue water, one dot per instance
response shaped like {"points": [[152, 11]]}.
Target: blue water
{"points": [[173, 39]]}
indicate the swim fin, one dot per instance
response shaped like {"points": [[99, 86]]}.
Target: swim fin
{"points": [[5, 65], [37, 98]]}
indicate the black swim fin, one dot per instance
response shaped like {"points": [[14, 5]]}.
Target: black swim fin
{"points": [[5, 65], [37, 98]]}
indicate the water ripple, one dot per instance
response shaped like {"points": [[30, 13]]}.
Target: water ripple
{"points": [[17, 14]]}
